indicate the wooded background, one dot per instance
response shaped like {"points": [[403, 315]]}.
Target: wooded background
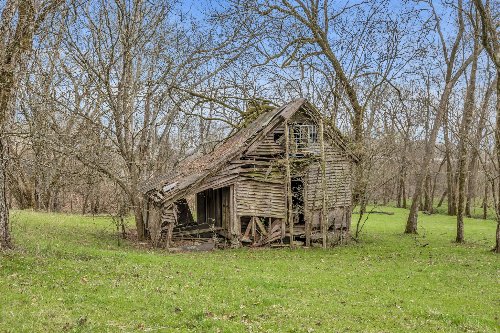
{"points": [[99, 96]]}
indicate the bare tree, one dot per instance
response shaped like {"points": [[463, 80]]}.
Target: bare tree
{"points": [[124, 89], [490, 39], [476, 147], [132, 66], [463, 135], [450, 79], [351, 50], [20, 21]]}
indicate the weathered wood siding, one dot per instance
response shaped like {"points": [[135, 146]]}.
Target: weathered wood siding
{"points": [[270, 145], [223, 178], [255, 198], [338, 181]]}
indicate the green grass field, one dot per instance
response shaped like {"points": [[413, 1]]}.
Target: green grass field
{"points": [[69, 274]]}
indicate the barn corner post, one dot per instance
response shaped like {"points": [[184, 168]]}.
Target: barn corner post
{"points": [[288, 180], [234, 221], [170, 223], [324, 215], [307, 219]]}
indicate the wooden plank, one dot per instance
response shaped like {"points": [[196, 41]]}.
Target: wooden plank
{"points": [[323, 185], [261, 226], [226, 207], [288, 180], [307, 216], [248, 229], [254, 229], [194, 232], [236, 219]]}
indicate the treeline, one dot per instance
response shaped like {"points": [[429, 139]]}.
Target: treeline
{"points": [[99, 96]]}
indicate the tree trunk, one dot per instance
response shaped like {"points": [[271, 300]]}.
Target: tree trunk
{"points": [[450, 184], [405, 204], [94, 203], [485, 200], [401, 196], [463, 137], [471, 185], [428, 194], [85, 203], [474, 159], [139, 220], [386, 194], [399, 192], [13, 45], [402, 180], [6, 83], [496, 249], [411, 223], [434, 186], [442, 198], [5, 241]]}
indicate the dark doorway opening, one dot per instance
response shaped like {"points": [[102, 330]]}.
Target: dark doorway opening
{"points": [[213, 207], [297, 186], [184, 215]]}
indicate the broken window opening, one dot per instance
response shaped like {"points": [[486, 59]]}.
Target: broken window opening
{"points": [[302, 136]]}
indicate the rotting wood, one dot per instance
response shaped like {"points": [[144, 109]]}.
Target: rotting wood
{"points": [[195, 232], [254, 229], [288, 180], [324, 221], [246, 235], [261, 226]]}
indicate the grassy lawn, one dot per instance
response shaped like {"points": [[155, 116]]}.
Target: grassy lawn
{"points": [[69, 274]]}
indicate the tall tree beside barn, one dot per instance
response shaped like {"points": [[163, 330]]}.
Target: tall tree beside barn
{"points": [[134, 56], [464, 136], [476, 142], [454, 70], [20, 22], [489, 17], [118, 47]]}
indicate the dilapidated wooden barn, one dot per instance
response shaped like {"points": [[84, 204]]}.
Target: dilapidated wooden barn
{"points": [[284, 178]]}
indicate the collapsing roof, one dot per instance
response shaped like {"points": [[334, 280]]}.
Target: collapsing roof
{"points": [[177, 184]]}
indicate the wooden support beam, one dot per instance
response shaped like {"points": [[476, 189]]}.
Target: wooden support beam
{"points": [[324, 213], [307, 213], [288, 180], [261, 226], [254, 230], [308, 224], [232, 215], [236, 217], [248, 229]]}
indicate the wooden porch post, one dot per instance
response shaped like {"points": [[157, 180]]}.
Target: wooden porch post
{"points": [[235, 227], [324, 214], [288, 184]]}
